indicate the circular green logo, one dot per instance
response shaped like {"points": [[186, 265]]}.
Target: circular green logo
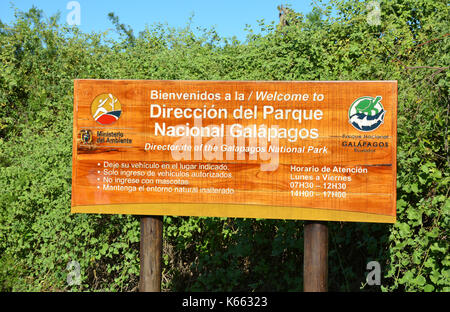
{"points": [[366, 113]]}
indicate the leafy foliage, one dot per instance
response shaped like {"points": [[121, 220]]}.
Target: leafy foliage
{"points": [[38, 236]]}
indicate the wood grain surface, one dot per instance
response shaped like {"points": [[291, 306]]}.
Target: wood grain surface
{"points": [[114, 173]]}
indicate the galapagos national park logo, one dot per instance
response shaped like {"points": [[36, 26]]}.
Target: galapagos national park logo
{"points": [[106, 109], [366, 113]]}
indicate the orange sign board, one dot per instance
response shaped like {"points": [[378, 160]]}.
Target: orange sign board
{"points": [[251, 149]]}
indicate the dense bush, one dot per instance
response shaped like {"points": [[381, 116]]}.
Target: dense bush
{"points": [[39, 237]]}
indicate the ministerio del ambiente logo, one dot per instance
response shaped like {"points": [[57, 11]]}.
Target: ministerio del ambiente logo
{"points": [[106, 109]]}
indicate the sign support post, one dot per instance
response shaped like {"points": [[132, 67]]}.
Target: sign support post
{"points": [[151, 253], [315, 264]]}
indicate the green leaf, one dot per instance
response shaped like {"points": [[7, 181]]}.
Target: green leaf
{"points": [[420, 280]]}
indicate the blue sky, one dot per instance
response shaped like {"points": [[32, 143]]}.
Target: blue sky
{"points": [[228, 16]]}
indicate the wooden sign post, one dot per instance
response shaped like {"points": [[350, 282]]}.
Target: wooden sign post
{"points": [[322, 151], [315, 260], [151, 253]]}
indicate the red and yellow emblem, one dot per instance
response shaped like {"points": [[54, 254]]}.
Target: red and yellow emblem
{"points": [[106, 109]]}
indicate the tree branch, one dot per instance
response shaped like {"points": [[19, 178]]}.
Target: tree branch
{"points": [[429, 67]]}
